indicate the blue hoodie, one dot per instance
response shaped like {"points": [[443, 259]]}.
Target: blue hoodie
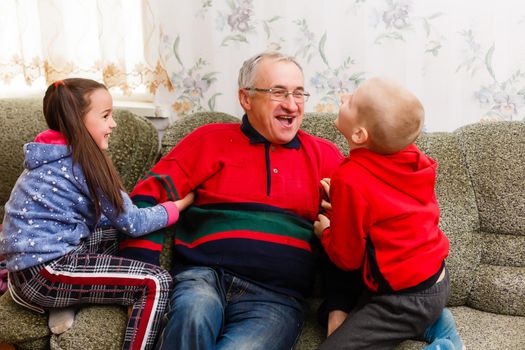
{"points": [[50, 210]]}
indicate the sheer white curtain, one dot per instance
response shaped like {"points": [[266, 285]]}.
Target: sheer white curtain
{"points": [[46, 40], [462, 58]]}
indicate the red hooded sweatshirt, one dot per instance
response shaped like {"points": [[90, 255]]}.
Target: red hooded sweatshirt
{"points": [[385, 219]]}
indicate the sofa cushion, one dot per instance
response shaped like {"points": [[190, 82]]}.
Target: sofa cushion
{"points": [[485, 330], [495, 157], [458, 211], [499, 289], [22, 326], [22, 120], [495, 160], [95, 327]]}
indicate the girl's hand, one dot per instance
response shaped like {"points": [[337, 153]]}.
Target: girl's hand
{"points": [[185, 202], [320, 225]]}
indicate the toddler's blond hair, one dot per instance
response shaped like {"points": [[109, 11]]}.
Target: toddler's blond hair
{"points": [[392, 115]]}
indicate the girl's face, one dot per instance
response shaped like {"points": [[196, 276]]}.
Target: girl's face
{"points": [[99, 119]]}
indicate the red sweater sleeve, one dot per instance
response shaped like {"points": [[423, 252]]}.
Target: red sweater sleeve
{"points": [[345, 239], [184, 168]]}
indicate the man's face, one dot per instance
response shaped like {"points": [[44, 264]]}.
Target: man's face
{"points": [[277, 121]]}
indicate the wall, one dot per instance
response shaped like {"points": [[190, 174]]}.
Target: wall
{"points": [[462, 58]]}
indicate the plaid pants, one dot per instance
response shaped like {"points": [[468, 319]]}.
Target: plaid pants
{"points": [[92, 274]]}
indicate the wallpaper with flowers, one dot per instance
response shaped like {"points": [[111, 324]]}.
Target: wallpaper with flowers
{"points": [[463, 59]]}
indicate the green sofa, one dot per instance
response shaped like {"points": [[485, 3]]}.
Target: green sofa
{"points": [[480, 189]]}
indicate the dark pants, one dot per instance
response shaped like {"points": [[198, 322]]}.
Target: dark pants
{"points": [[383, 321]]}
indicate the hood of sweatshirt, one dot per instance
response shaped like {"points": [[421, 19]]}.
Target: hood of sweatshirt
{"points": [[49, 146], [409, 171]]}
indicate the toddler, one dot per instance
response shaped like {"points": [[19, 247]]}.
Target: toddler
{"points": [[384, 221]]}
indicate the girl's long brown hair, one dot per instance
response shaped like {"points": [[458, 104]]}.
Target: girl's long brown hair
{"points": [[66, 103]]}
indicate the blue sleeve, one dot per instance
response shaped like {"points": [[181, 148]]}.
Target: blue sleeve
{"points": [[135, 221]]}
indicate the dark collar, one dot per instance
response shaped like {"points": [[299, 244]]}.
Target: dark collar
{"points": [[254, 136]]}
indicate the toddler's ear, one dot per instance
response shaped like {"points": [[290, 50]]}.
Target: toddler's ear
{"points": [[360, 136]]}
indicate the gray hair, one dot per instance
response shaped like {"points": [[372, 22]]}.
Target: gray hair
{"points": [[249, 67]]}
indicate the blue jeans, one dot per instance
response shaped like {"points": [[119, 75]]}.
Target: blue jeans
{"points": [[212, 309]]}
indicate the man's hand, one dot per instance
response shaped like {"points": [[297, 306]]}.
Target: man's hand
{"points": [[335, 319], [185, 202], [320, 225]]}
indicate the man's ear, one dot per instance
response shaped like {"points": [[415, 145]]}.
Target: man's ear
{"points": [[360, 136], [245, 100]]}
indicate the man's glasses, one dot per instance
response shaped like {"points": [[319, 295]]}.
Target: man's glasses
{"points": [[280, 94]]}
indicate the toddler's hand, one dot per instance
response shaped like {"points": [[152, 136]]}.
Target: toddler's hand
{"points": [[320, 225], [185, 202], [326, 206], [326, 186]]}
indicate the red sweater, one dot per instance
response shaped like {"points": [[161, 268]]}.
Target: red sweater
{"points": [[385, 219], [254, 208]]}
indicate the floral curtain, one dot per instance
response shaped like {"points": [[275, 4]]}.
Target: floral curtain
{"points": [[461, 58]]}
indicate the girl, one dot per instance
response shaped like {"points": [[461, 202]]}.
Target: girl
{"points": [[55, 255]]}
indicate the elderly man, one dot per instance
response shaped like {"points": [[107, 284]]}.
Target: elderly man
{"points": [[243, 252]]}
